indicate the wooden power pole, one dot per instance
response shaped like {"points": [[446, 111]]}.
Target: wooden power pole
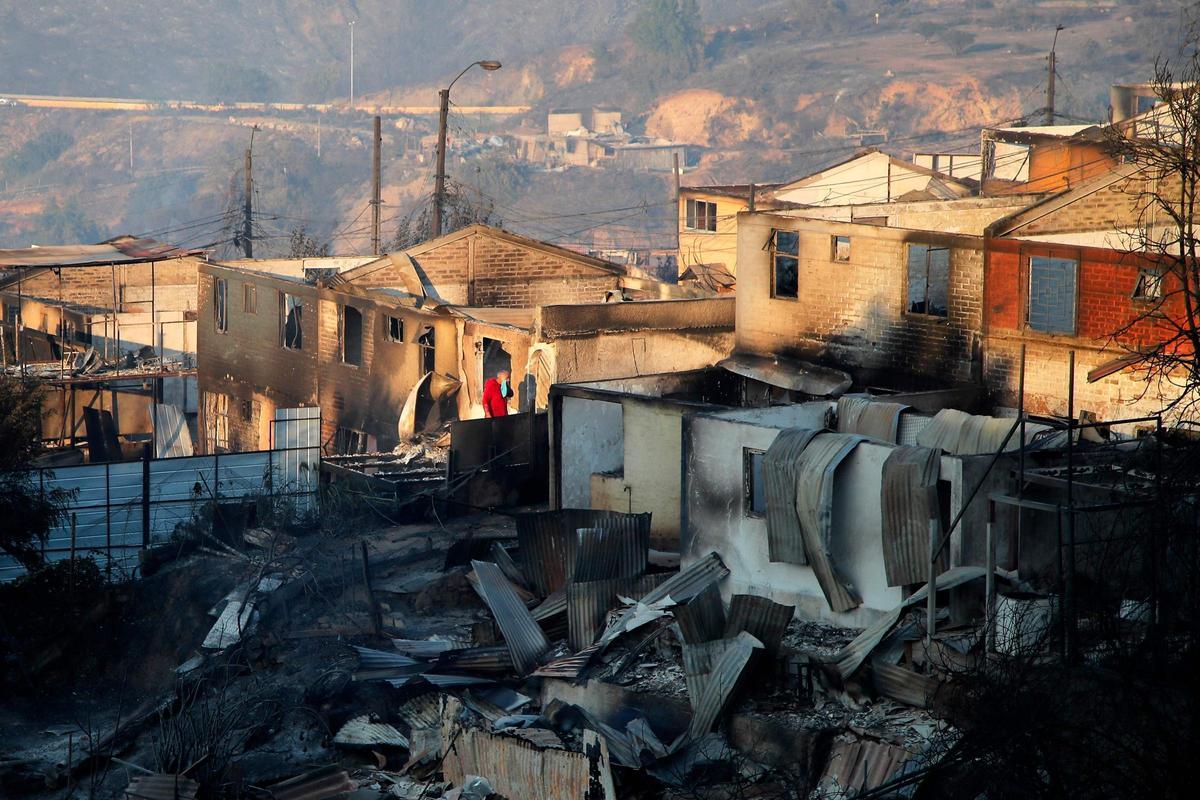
{"points": [[439, 180], [1050, 79], [248, 206], [375, 187]]}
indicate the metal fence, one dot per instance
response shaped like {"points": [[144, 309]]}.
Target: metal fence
{"points": [[120, 508]]}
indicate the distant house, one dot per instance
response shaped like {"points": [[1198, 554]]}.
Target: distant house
{"points": [[872, 176], [1043, 158]]}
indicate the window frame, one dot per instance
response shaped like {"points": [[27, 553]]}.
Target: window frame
{"points": [[1027, 309], [283, 316], [775, 256], [749, 454], [1152, 273], [388, 319], [929, 250], [221, 305], [700, 220], [341, 335], [834, 241], [249, 298]]}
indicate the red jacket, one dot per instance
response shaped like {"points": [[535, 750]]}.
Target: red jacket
{"points": [[494, 403]]}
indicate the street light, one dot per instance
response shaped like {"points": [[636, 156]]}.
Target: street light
{"points": [[439, 188]]}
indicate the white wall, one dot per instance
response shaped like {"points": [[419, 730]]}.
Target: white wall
{"points": [[592, 441]]}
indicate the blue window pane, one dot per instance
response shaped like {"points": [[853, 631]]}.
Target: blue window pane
{"points": [[1052, 294]]}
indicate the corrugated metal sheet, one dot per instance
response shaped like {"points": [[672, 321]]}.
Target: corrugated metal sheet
{"points": [[549, 543], [908, 474], [960, 433], [786, 373], [422, 712], [525, 639], [620, 549], [509, 567], [718, 688], [492, 660], [857, 765], [439, 681], [568, 666], [589, 601], [902, 684], [698, 661], [122, 250], [425, 648], [362, 732], [369, 658], [171, 436], [869, 417], [815, 471], [761, 617], [516, 768], [161, 787], [541, 738], [680, 587], [851, 657], [326, 783], [702, 619], [556, 603], [785, 542]]}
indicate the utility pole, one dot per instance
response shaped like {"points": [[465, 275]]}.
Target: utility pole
{"points": [[352, 64], [675, 173], [247, 205], [439, 181], [1050, 79], [376, 200]]}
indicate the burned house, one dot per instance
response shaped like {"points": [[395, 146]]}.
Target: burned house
{"points": [[422, 330], [110, 327]]}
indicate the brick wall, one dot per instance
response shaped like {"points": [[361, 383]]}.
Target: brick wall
{"points": [[94, 285], [1104, 306], [1112, 208], [247, 362], [853, 313]]}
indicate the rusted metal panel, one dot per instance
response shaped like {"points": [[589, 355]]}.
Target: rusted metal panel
{"points": [[857, 765], [851, 657], [589, 601], [517, 768], [869, 417], [761, 617], [816, 467], [326, 783], [619, 549], [680, 587], [549, 543], [161, 787], [785, 542], [702, 619], [908, 472], [525, 639]]}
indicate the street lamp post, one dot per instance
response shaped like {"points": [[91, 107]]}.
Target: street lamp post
{"points": [[439, 186]]}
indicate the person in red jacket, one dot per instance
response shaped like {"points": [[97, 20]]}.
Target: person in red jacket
{"points": [[496, 392]]}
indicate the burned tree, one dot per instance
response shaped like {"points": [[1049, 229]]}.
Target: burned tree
{"points": [[1160, 152]]}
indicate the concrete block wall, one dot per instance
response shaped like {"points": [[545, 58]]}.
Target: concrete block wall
{"points": [[94, 286], [854, 312], [509, 275]]}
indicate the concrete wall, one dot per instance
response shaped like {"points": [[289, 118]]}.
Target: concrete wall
{"points": [[873, 178], [855, 312], [969, 215]]}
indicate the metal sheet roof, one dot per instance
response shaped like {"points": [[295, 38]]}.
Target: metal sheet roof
{"points": [[908, 473], [525, 639], [122, 250], [517, 318], [787, 373]]}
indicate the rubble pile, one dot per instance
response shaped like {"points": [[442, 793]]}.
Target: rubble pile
{"points": [[550, 658]]}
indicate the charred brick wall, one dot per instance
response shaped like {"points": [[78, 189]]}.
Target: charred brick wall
{"points": [[94, 286]]}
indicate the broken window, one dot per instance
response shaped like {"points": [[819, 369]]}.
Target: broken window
{"points": [[841, 248], [701, 216], [250, 298], [1052, 294], [928, 280], [754, 497], [393, 329], [216, 421], [350, 334], [1149, 285], [348, 441], [495, 358], [291, 334], [220, 314], [428, 349], [785, 263]]}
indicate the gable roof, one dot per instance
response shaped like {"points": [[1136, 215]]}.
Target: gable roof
{"points": [[120, 250], [871, 152], [405, 258]]}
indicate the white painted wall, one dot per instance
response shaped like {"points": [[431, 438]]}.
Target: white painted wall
{"points": [[593, 441]]}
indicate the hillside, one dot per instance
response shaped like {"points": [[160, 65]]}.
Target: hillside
{"points": [[774, 90]]}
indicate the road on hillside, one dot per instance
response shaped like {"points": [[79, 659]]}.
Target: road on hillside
{"points": [[127, 104]]}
